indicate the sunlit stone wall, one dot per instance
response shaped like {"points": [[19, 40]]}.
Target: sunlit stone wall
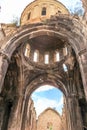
{"points": [[49, 120], [40, 10]]}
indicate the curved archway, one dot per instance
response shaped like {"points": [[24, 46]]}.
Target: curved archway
{"points": [[59, 29], [11, 46], [66, 32], [47, 96], [36, 83], [43, 79]]}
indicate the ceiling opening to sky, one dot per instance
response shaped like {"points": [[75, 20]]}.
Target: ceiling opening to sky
{"points": [[47, 96], [11, 9]]}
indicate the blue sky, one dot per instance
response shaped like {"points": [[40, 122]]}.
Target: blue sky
{"points": [[47, 96], [14, 8]]}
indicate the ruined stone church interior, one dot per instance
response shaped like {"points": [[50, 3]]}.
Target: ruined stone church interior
{"points": [[49, 47]]}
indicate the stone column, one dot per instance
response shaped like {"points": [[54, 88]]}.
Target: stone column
{"points": [[15, 119], [74, 114], [4, 60], [83, 68], [28, 113], [16, 115]]}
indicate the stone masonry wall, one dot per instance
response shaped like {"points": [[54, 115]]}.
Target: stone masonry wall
{"points": [[49, 120]]}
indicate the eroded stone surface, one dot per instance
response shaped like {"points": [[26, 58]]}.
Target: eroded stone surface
{"points": [[20, 75]]}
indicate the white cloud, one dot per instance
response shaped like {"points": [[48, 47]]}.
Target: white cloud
{"points": [[44, 88], [42, 103], [10, 8]]}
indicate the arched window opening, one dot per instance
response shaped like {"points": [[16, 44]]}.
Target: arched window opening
{"points": [[65, 68], [65, 51], [57, 56], [51, 96], [27, 50], [36, 56], [46, 60], [43, 11], [28, 17]]}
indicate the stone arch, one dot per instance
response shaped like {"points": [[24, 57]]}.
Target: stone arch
{"points": [[43, 79], [67, 32], [36, 83]]}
